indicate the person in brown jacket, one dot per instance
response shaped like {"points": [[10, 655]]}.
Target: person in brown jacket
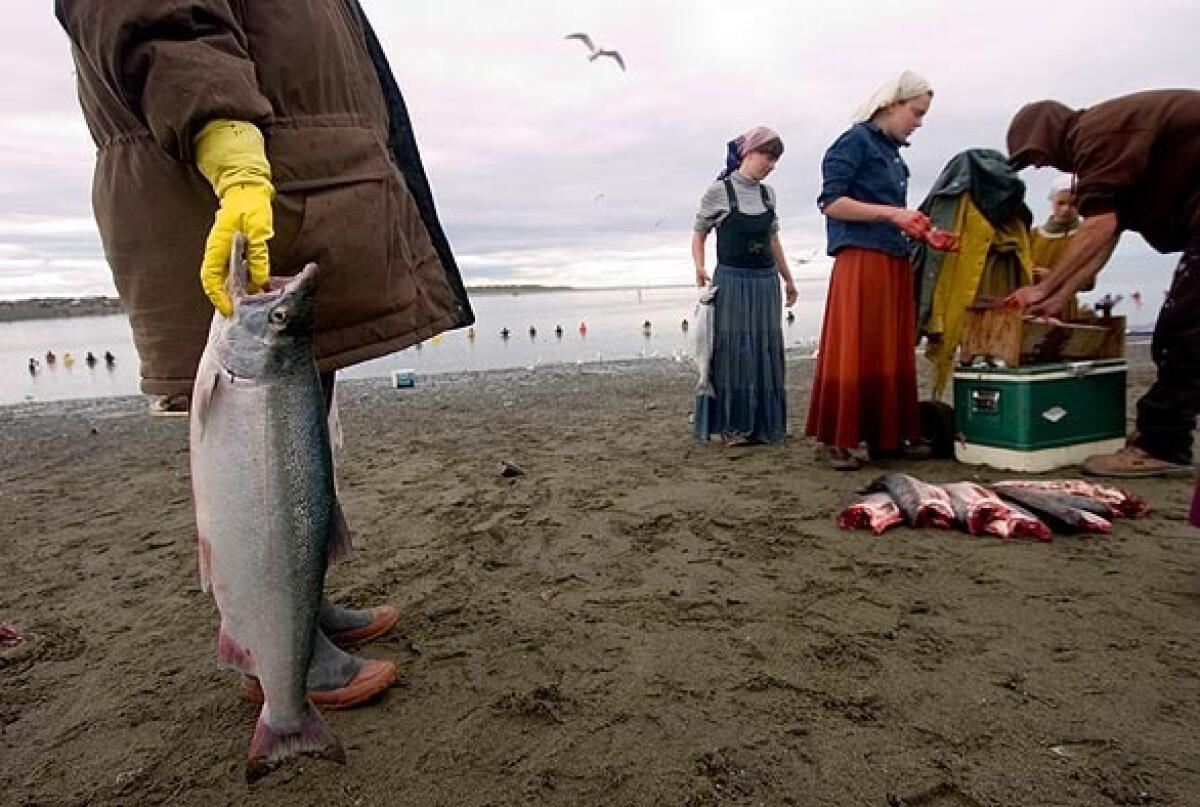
{"points": [[280, 119], [1137, 166]]}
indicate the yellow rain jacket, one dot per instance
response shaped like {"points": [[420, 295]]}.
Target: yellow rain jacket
{"points": [[991, 262], [981, 198]]}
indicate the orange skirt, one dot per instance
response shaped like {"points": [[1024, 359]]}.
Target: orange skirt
{"points": [[865, 387]]}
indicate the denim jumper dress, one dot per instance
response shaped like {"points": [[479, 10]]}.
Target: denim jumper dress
{"points": [[747, 370]]}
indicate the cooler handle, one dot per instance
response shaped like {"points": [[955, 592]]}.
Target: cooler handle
{"points": [[985, 401], [1081, 368]]}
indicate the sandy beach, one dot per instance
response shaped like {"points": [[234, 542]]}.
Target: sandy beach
{"points": [[638, 620]]}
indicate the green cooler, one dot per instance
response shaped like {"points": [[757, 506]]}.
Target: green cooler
{"points": [[1039, 417]]}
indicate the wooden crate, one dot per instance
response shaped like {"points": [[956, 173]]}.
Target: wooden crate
{"points": [[1005, 334]]}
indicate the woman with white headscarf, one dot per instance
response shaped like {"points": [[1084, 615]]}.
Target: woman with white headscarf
{"points": [[746, 402], [1048, 242], [865, 385]]}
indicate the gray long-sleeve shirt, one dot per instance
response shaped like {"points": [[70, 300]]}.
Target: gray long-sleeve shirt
{"points": [[714, 206]]}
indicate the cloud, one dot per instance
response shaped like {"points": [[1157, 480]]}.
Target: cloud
{"points": [[548, 167]]}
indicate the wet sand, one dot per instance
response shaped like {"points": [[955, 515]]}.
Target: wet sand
{"points": [[638, 620]]}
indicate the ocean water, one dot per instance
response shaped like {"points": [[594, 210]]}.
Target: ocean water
{"points": [[614, 320]]}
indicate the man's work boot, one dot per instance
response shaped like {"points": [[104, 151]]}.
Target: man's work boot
{"points": [[1132, 462]]}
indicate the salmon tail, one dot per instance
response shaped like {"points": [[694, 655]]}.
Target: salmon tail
{"points": [[270, 748], [203, 394], [339, 536]]}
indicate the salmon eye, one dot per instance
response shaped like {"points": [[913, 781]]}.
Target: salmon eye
{"points": [[278, 316]]}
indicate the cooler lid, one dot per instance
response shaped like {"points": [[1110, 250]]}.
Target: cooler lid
{"points": [[1039, 372]]}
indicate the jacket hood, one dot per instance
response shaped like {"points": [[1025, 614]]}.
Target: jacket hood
{"points": [[1042, 129]]}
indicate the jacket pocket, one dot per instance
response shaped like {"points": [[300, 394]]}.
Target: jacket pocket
{"points": [[322, 151], [288, 213]]}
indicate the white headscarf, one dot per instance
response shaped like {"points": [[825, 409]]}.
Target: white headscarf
{"points": [[1062, 182], [907, 85]]}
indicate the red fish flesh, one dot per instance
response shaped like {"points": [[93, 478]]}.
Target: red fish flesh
{"points": [[10, 637], [1019, 523], [876, 512], [982, 511]]}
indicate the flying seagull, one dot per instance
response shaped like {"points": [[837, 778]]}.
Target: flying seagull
{"points": [[594, 52]]}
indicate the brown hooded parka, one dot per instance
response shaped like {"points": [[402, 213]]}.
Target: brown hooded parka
{"points": [[1137, 156], [351, 191]]}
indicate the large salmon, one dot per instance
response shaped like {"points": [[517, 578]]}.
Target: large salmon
{"points": [[262, 477]]}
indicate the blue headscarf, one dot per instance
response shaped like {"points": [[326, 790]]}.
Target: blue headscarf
{"points": [[737, 149]]}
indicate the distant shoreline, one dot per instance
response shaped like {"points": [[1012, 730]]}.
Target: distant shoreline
{"points": [[63, 307], [58, 308]]}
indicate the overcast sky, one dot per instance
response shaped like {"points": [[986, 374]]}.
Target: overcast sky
{"points": [[550, 169]]}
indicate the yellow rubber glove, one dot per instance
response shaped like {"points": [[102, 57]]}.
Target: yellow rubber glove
{"points": [[232, 157]]}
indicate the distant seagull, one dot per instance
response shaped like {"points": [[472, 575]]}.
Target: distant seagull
{"points": [[594, 52]]}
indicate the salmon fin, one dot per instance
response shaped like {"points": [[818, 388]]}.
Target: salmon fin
{"points": [[340, 545], [204, 557], [230, 653], [337, 439], [237, 281], [270, 748], [202, 400]]}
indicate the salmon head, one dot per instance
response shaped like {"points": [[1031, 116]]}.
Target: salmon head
{"points": [[271, 331]]}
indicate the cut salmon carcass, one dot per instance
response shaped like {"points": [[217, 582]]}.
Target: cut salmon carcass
{"points": [[1123, 502], [983, 512], [1056, 513], [923, 504], [876, 512]]}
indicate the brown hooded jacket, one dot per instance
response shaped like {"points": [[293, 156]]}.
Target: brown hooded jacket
{"points": [[351, 191], [1137, 156]]}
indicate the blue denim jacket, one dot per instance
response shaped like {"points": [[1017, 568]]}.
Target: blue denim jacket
{"points": [[865, 165]]}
